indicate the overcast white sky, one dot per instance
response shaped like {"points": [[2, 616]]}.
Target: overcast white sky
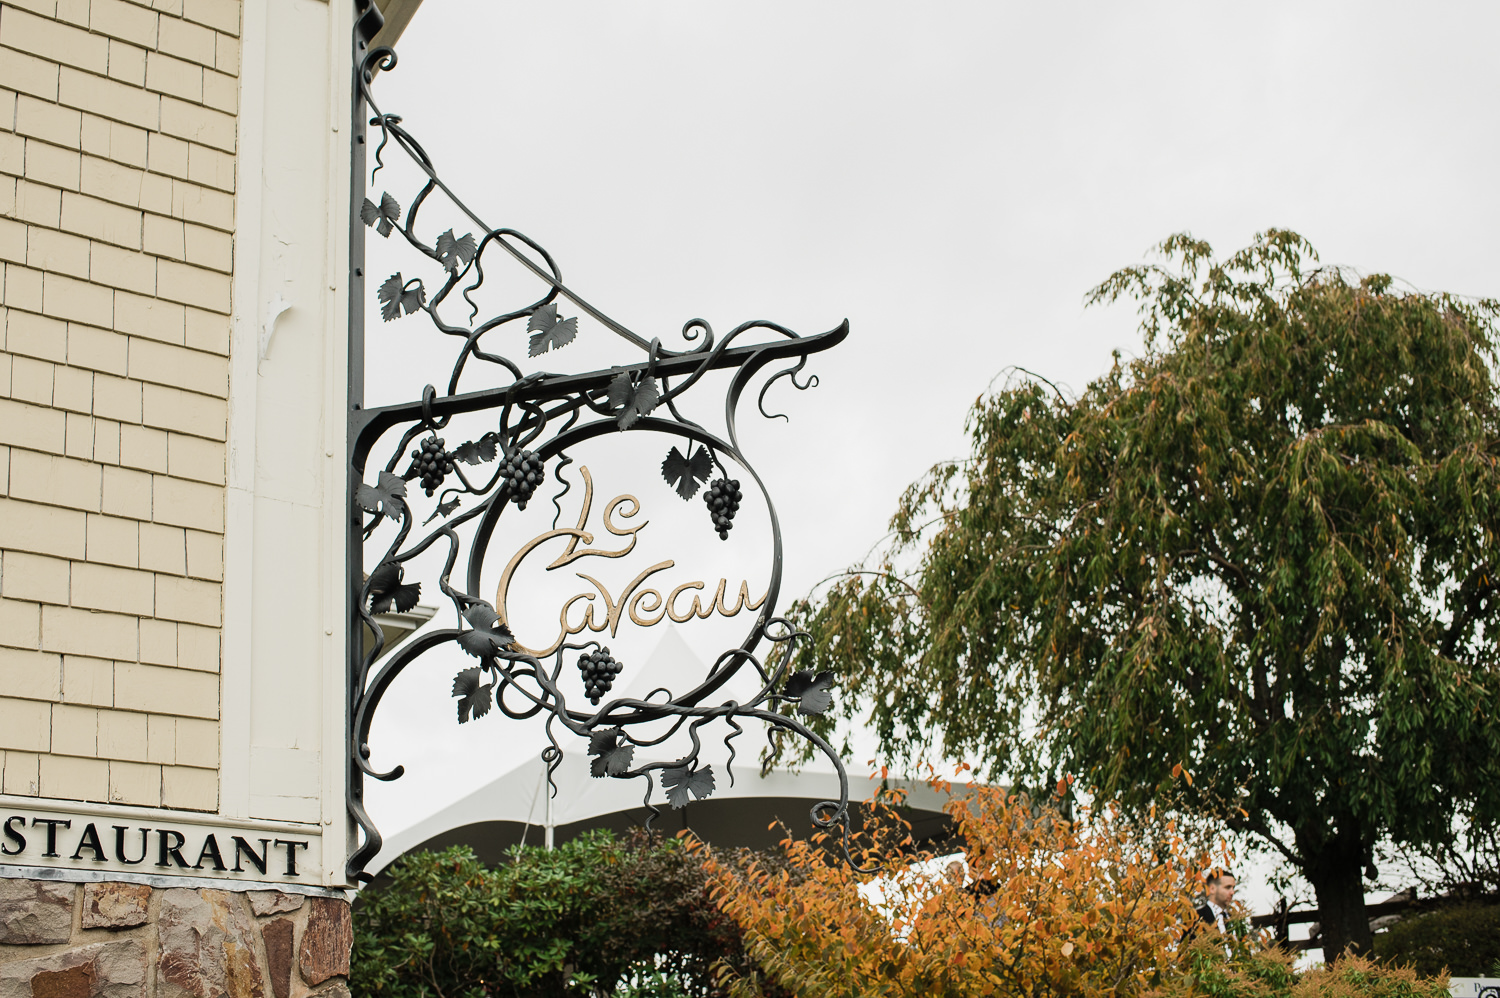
{"points": [[951, 177]]}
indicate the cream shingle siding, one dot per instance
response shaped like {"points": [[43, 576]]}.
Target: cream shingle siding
{"points": [[117, 181]]}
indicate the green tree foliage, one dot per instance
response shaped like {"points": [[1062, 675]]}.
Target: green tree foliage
{"points": [[1264, 551], [596, 916], [1462, 940]]}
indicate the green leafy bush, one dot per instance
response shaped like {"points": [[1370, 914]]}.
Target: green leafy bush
{"points": [[596, 916], [1464, 940], [1268, 973], [1355, 977]]}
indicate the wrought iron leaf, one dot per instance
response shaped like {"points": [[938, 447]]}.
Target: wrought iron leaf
{"points": [[385, 498], [390, 214], [685, 475], [390, 297], [815, 692], [454, 253], [816, 700], [681, 782], [386, 589], [797, 683], [395, 295], [473, 698], [488, 635], [444, 509], [602, 739], [477, 451], [631, 400], [549, 332], [613, 754], [414, 297], [544, 318], [385, 217]]}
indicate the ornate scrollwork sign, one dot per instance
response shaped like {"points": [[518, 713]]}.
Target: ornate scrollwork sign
{"points": [[432, 501]]}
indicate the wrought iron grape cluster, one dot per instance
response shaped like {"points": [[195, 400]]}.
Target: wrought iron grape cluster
{"points": [[723, 498], [599, 671], [522, 474], [431, 462]]}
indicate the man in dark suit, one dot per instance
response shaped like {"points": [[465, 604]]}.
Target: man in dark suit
{"points": [[1219, 890]]}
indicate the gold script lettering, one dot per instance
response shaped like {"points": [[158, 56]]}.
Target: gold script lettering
{"points": [[742, 601], [656, 608], [644, 607], [571, 554], [692, 610], [615, 607], [574, 535]]}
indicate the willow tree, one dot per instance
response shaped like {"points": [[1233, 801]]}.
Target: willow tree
{"points": [[1264, 551]]}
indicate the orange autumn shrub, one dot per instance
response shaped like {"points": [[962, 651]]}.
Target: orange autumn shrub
{"points": [[1052, 906]]}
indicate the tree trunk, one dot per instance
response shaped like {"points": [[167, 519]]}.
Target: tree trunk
{"points": [[1336, 877]]}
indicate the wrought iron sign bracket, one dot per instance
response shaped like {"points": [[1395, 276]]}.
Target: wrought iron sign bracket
{"points": [[537, 417], [366, 425]]}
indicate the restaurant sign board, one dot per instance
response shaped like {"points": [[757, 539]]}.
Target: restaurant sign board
{"points": [[164, 844]]}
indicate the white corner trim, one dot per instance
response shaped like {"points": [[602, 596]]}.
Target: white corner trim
{"points": [[237, 640]]}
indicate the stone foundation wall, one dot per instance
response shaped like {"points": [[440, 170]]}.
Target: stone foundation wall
{"points": [[122, 940]]}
